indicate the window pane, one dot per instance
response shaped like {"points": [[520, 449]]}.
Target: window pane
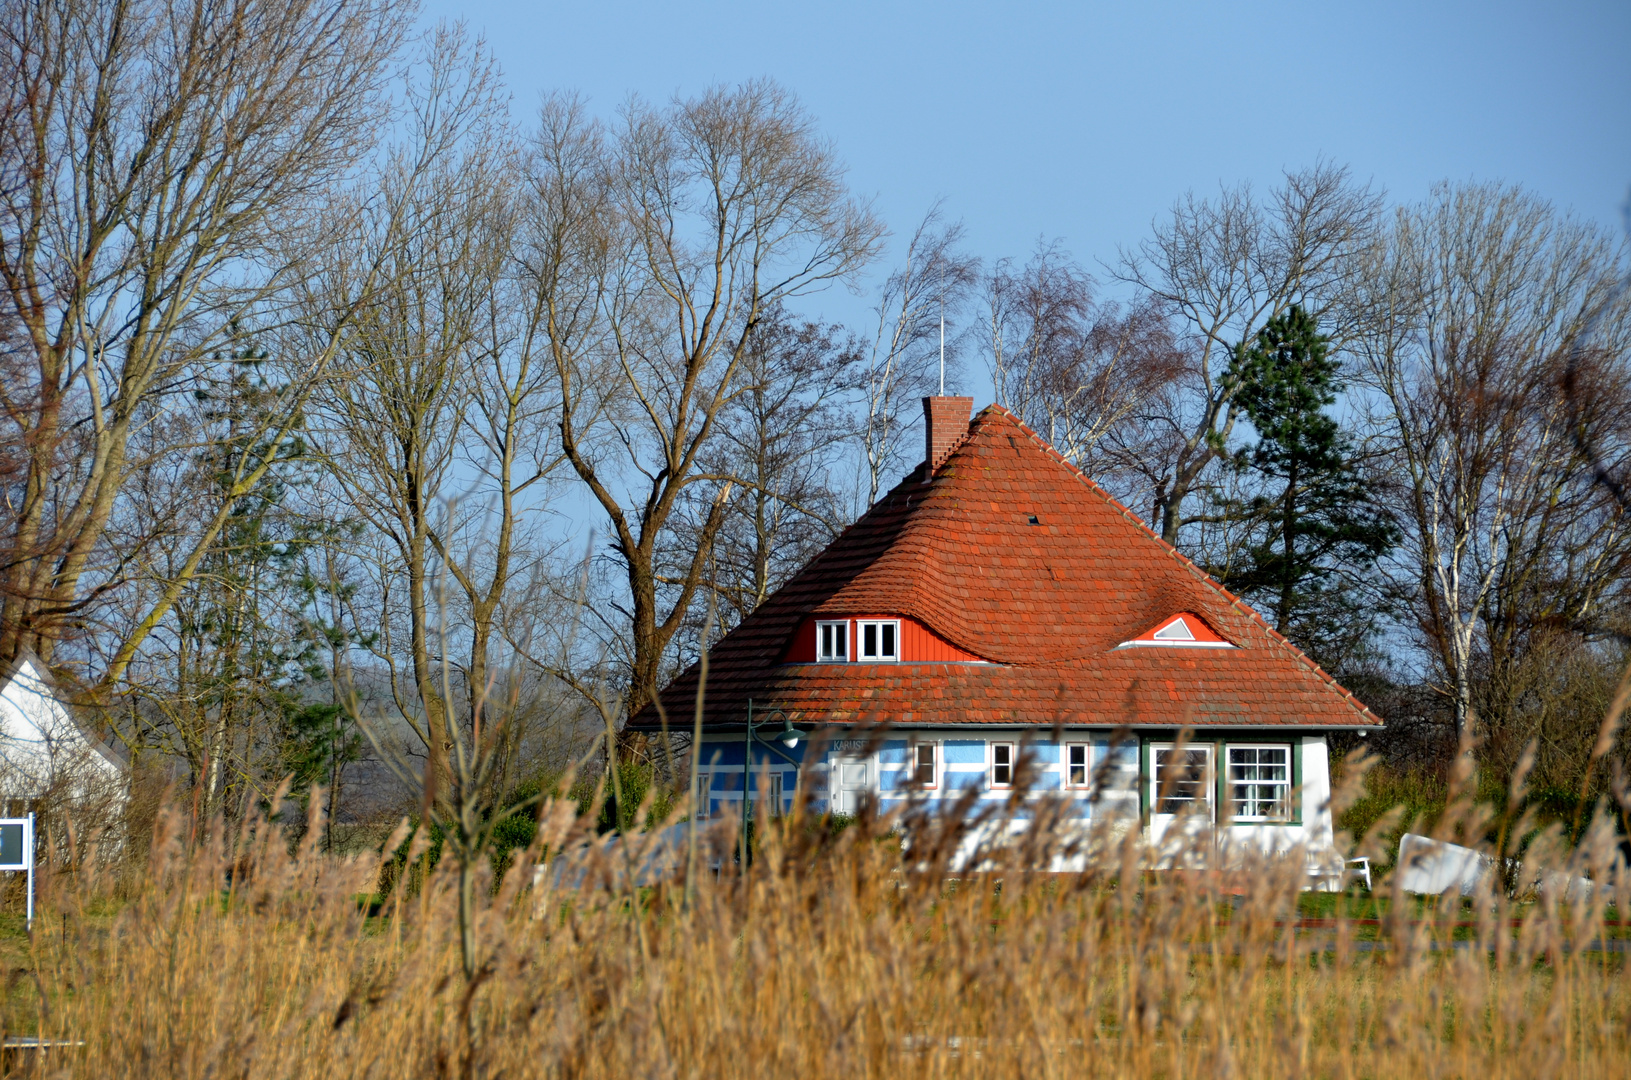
{"points": [[1260, 781], [826, 641], [925, 764], [1180, 779], [889, 640], [843, 641], [869, 640], [705, 782]]}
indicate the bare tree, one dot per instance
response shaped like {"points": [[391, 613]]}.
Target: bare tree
{"points": [[431, 401], [1225, 267], [913, 309], [655, 250], [1072, 368], [1476, 303], [162, 167], [781, 441]]}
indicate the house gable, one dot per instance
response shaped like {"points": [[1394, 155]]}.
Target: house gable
{"points": [[41, 739]]}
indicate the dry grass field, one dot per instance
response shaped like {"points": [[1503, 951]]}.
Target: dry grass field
{"points": [[834, 956]]}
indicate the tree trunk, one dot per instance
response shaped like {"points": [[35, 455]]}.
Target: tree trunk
{"points": [[1288, 539]]}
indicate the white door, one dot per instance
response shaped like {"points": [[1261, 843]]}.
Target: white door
{"points": [[1181, 786], [851, 779]]}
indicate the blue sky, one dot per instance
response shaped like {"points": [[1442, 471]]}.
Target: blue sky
{"points": [[1084, 121]]}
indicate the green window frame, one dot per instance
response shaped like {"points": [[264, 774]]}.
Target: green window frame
{"points": [[1220, 752], [1293, 780]]}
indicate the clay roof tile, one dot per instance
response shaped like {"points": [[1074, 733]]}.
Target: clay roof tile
{"points": [[1045, 605]]}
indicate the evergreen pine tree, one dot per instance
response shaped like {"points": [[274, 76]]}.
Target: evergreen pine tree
{"points": [[1316, 532], [256, 651]]}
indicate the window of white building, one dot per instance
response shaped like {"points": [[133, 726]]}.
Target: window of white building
{"points": [[701, 804], [925, 759], [1002, 764], [1076, 775], [1181, 780], [1260, 782]]}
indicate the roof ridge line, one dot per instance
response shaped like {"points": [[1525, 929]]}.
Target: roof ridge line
{"points": [[1184, 560]]}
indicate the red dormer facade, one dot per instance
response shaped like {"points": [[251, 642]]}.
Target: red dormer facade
{"points": [[898, 639]]}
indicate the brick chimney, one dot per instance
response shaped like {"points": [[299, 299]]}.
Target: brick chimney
{"points": [[945, 424]]}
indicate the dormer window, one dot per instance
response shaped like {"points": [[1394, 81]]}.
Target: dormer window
{"points": [[1184, 630], [1176, 630], [879, 639], [832, 642]]}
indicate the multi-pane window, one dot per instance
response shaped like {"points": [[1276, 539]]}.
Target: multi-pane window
{"points": [[923, 764], [879, 639], [1260, 782], [1181, 779], [1076, 765], [832, 641], [705, 783], [770, 792], [1002, 764], [767, 789]]}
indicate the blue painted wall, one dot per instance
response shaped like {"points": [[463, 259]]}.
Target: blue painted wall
{"points": [[962, 762]]}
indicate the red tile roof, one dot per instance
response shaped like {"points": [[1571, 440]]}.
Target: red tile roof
{"points": [[1046, 604]]}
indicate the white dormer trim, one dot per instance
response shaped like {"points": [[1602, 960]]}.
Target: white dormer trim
{"points": [[1176, 645], [1175, 633]]}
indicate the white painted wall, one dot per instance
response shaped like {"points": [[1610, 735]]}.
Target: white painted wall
{"points": [[1111, 814], [42, 748], [1315, 836]]}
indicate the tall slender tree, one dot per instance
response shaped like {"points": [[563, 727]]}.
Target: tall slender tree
{"points": [[1223, 268], [918, 305], [165, 168], [654, 252], [1480, 300], [1317, 529], [781, 440]]}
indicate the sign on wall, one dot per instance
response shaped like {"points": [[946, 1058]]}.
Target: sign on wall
{"points": [[17, 852]]}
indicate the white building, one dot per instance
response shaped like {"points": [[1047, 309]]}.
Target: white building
{"points": [[45, 752]]}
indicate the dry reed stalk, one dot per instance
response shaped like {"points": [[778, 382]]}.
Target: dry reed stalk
{"points": [[838, 957]]}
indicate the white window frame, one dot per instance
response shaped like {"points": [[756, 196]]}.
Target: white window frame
{"points": [[1086, 766], [834, 777], [840, 656], [1208, 781], [1011, 764], [767, 792], [1286, 813], [702, 807], [861, 627], [914, 762]]}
